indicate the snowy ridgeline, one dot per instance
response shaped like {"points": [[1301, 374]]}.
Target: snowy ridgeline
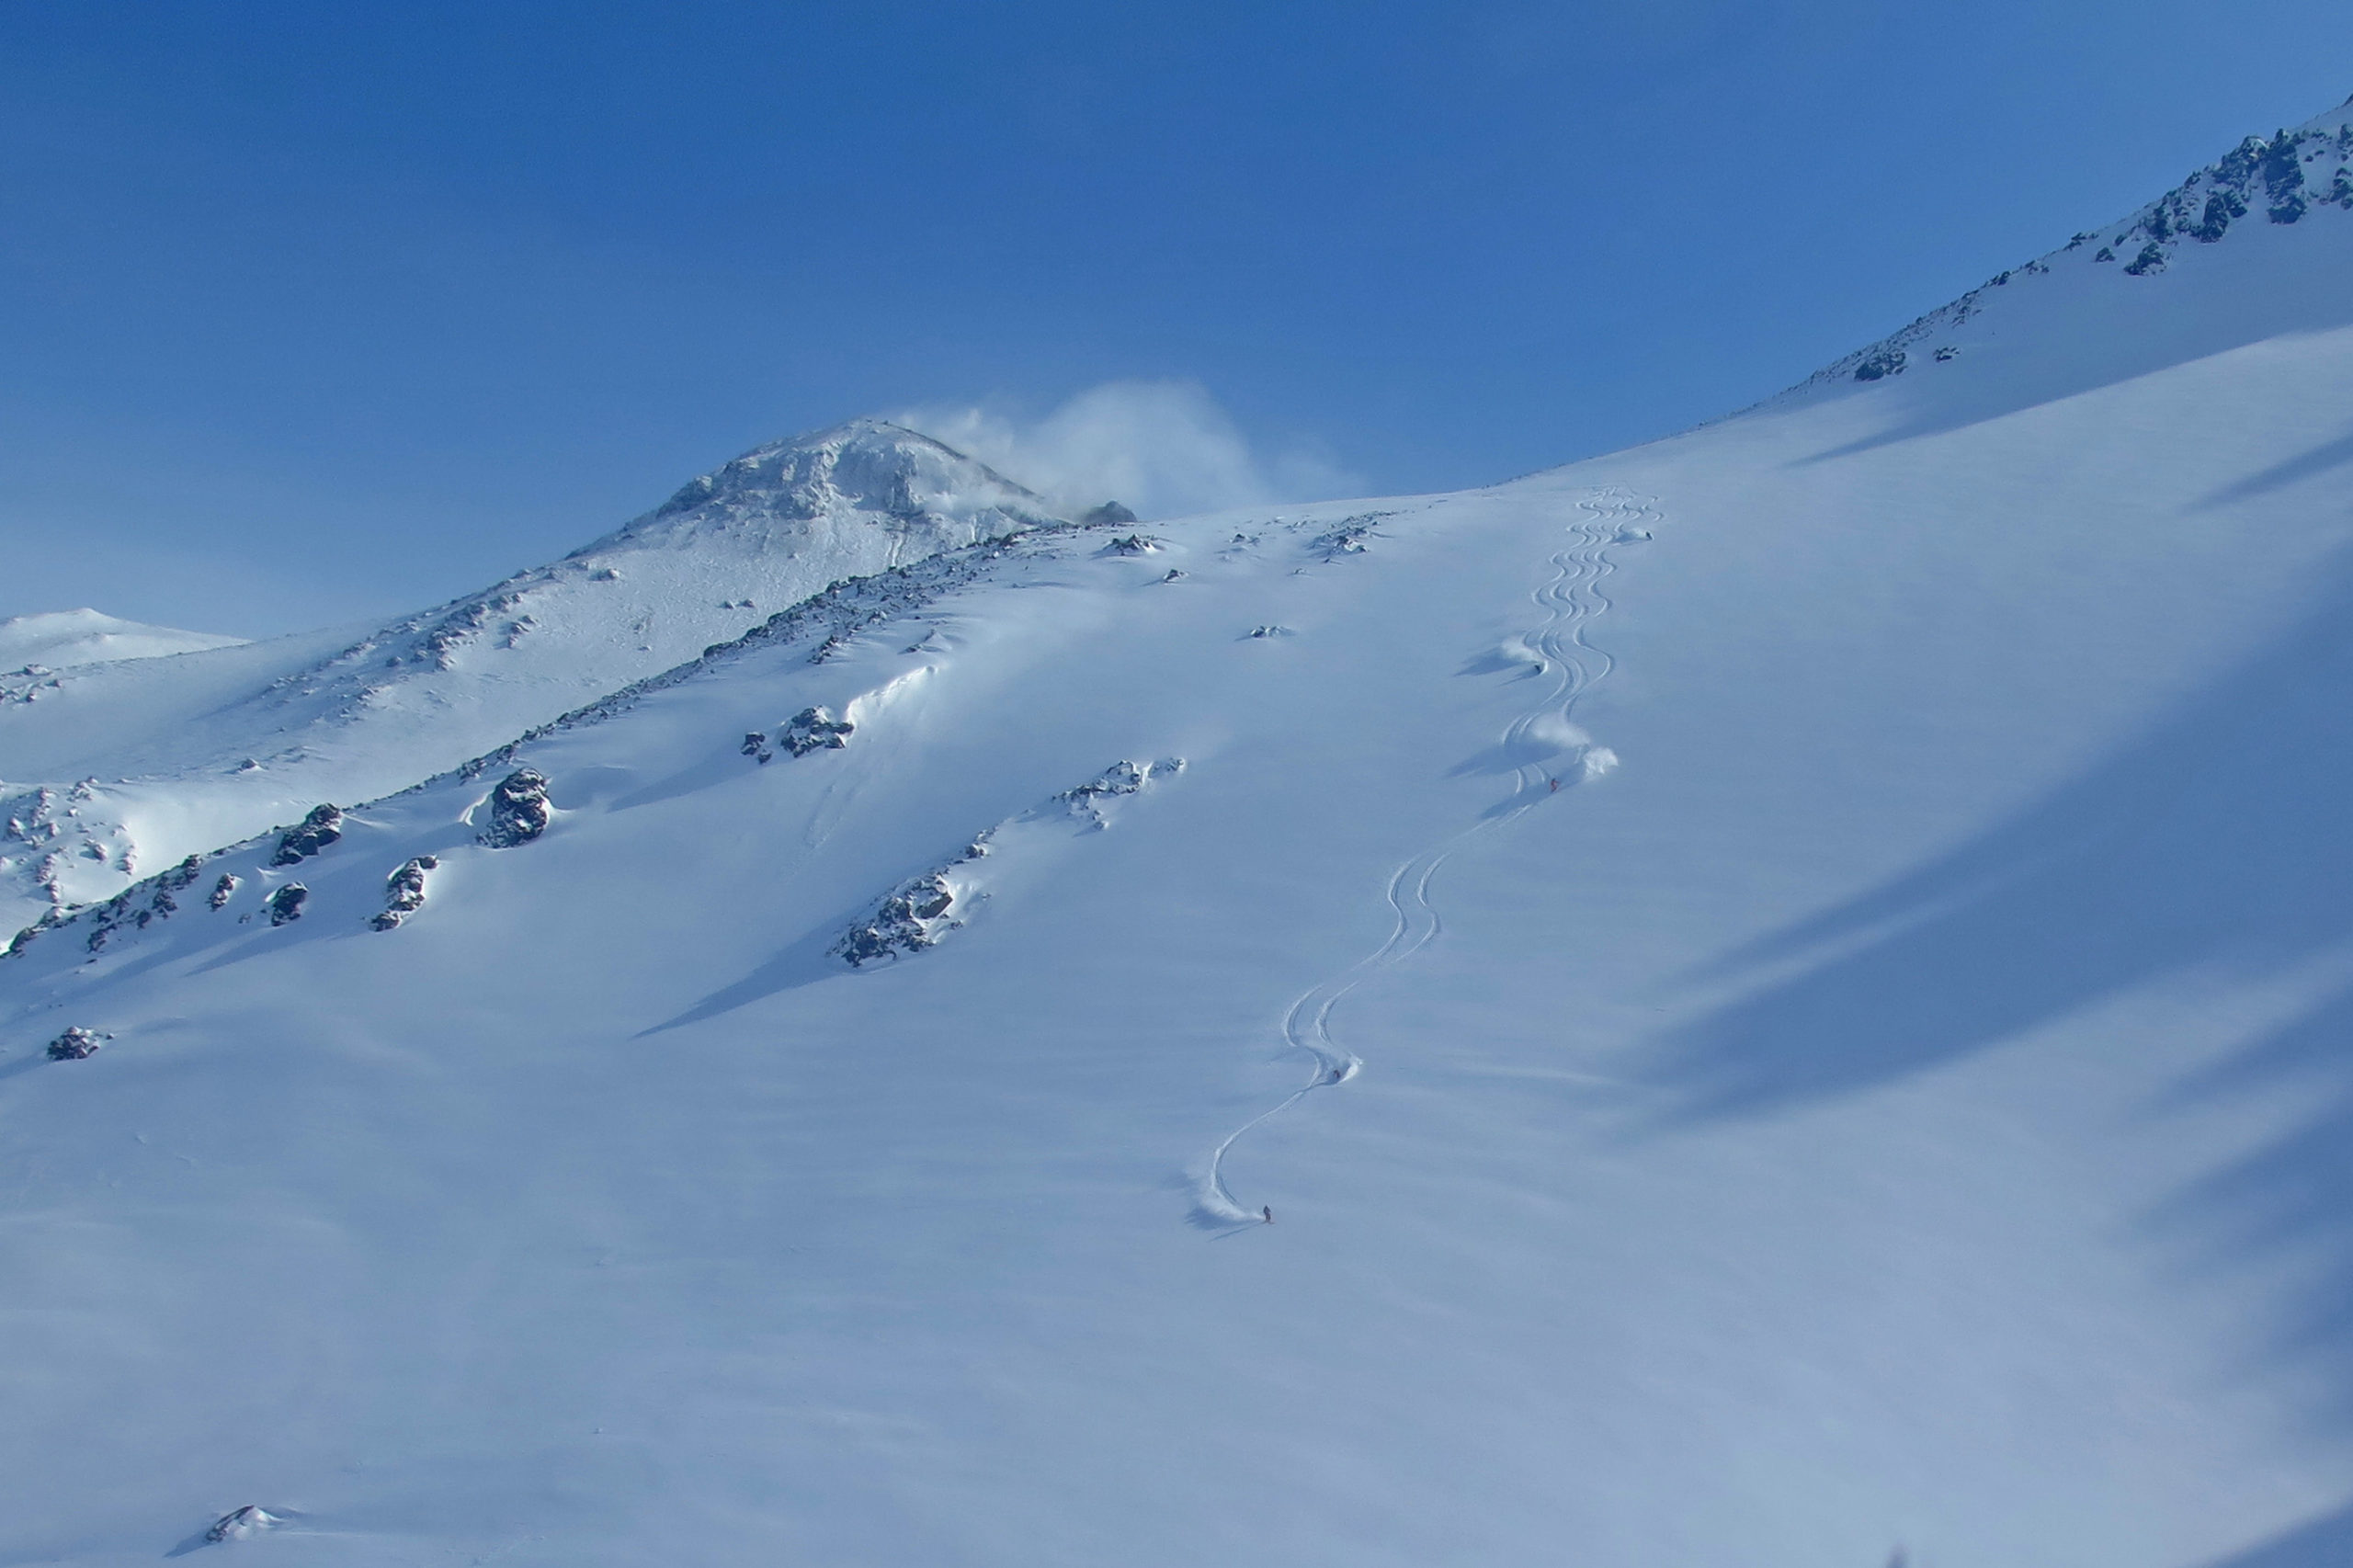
{"points": [[283, 723], [2280, 179]]}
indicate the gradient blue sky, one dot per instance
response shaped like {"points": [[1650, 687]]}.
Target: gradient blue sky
{"points": [[320, 311]]}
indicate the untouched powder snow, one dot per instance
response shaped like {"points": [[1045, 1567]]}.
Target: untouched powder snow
{"points": [[1888, 1103], [31, 645]]}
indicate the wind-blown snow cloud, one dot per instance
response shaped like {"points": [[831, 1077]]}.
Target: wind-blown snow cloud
{"points": [[1162, 448]]}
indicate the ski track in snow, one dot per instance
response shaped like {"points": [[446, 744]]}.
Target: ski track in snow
{"points": [[1570, 599]]}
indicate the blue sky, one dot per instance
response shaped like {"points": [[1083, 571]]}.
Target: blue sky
{"points": [[316, 312]]}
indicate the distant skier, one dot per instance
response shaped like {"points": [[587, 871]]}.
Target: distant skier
{"points": [[1554, 782], [1267, 1213]]}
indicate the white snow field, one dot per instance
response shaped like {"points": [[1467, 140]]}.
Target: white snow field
{"points": [[1890, 1102], [61, 637]]}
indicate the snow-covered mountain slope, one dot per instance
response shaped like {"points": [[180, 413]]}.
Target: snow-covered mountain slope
{"points": [[1889, 1098], [31, 645], [102, 793]]}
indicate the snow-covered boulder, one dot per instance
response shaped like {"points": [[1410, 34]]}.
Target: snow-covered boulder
{"points": [[241, 1524], [285, 904], [76, 1044]]}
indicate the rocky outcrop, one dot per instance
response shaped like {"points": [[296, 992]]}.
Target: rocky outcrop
{"points": [[322, 827], [815, 729], [916, 914], [519, 811], [913, 917], [285, 905], [76, 1044], [404, 892], [127, 909], [811, 729], [32, 934], [223, 890], [1881, 363], [1120, 779], [241, 1524], [1346, 536], [1111, 514]]}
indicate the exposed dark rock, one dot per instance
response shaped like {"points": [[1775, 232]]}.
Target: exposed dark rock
{"points": [[2151, 260], [1946, 354], [2220, 208], [222, 891], [30, 934], [76, 1043], [285, 905], [1271, 631], [1111, 514], [1133, 544], [314, 832], [1175, 574], [755, 745], [519, 811], [404, 892], [1879, 364], [815, 729], [912, 918]]}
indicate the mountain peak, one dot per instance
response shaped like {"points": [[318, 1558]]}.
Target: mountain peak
{"points": [[898, 478]]}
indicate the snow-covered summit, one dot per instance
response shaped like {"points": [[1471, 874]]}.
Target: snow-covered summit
{"points": [[60, 639], [868, 473]]}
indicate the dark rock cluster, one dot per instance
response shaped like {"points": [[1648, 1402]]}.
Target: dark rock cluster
{"points": [[223, 890], [285, 904], [76, 1044], [815, 729], [125, 909], [322, 827], [404, 892], [519, 811], [1879, 364], [912, 918]]}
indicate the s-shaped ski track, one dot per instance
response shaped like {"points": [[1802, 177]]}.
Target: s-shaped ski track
{"points": [[1570, 599]]}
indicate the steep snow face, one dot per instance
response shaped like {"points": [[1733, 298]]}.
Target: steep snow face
{"points": [[100, 792], [1783, 993], [31, 645]]}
